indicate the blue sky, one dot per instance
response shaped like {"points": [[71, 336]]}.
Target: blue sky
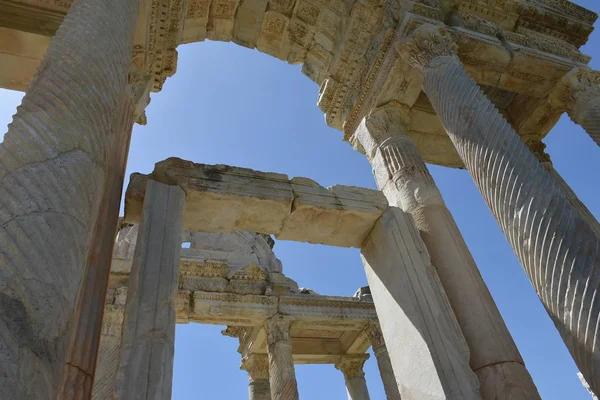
{"points": [[231, 105]]}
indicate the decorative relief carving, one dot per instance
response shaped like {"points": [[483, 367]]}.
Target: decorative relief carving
{"points": [[575, 91], [352, 367], [425, 44], [537, 147], [257, 366], [373, 331], [278, 329]]}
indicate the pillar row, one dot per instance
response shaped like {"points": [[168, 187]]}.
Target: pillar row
{"points": [[257, 366], [148, 341], [390, 385], [557, 248], [281, 362], [578, 92], [354, 376], [402, 175]]}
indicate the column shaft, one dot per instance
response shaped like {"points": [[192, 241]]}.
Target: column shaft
{"points": [[402, 175], [109, 350], [428, 352], [52, 165], [146, 367], [257, 366], [589, 116], [85, 336], [390, 385], [281, 362], [557, 248]]}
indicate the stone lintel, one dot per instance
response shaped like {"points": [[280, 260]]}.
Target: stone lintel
{"points": [[221, 198]]}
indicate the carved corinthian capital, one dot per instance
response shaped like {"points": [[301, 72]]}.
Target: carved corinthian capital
{"points": [[257, 366], [381, 124], [427, 43], [373, 331], [575, 90], [352, 366], [278, 329]]}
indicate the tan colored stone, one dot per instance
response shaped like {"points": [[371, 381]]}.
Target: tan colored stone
{"points": [[226, 199]]}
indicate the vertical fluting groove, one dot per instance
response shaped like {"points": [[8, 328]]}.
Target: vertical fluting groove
{"points": [[589, 118], [281, 363], [558, 250], [52, 163]]}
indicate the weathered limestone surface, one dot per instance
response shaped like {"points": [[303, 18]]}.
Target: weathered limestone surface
{"points": [[390, 386], [402, 175], [428, 352], [225, 199], [579, 93], [557, 248], [53, 162], [147, 350], [354, 377], [109, 350], [257, 366], [281, 362], [85, 336]]}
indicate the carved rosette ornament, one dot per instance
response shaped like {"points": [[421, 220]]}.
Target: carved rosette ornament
{"points": [[427, 43], [352, 367], [578, 92]]}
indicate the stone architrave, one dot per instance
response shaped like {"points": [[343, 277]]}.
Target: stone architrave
{"points": [[557, 248], [53, 167], [257, 366], [402, 175], [390, 386], [147, 349], [354, 376], [281, 363], [428, 352], [579, 93]]}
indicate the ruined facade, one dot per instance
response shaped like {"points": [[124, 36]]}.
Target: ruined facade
{"points": [[473, 84]]}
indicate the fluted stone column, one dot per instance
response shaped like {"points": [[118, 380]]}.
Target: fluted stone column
{"points": [[354, 376], [109, 350], [537, 147], [53, 162], [578, 93], [257, 366], [147, 350], [281, 363], [557, 248], [390, 386], [402, 175], [428, 352]]}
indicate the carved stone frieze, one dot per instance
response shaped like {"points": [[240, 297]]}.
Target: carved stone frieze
{"points": [[577, 87]]}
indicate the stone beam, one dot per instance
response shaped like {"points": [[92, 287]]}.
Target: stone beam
{"points": [[221, 198]]}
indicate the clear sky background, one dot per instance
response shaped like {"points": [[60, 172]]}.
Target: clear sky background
{"points": [[231, 105]]}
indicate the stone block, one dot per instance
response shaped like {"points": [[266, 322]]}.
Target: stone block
{"points": [[272, 34], [221, 198], [248, 22]]}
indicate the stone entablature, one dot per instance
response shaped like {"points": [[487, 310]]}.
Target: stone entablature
{"points": [[519, 47], [222, 198]]}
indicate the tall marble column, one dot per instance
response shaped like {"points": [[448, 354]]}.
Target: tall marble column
{"points": [[354, 376], [390, 385], [428, 352], [578, 93], [147, 349], [402, 175], [281, 362], [257, 366], [53, 162], [537, 147], [557, 248]]}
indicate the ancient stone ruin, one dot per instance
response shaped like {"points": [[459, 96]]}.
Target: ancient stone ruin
{"points": [[472, 84]]}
